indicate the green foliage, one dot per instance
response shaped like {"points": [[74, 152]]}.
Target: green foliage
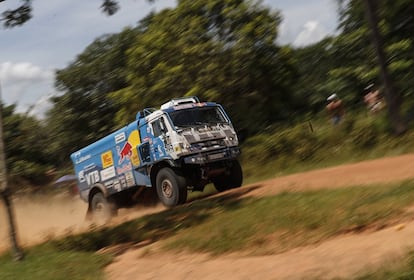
{"points": [[366, 133], [347, 63], [44, 262], [85, 113], [24, 12], [317, 144], [25, 141], [220, 50], [297, 143]]}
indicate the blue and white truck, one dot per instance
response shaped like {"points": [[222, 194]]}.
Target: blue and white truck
{"points": [[182, 146]]}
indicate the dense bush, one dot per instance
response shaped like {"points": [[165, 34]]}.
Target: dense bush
{"points": [[356, 138], [297, 143]]}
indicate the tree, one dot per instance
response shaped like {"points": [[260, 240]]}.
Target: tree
{"points": [[218, 50], [23, 12], [393, 98], [372, 48], [25, 143], [5, 194], [84, 112]]}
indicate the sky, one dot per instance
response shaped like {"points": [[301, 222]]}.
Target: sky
{"points": [[61, 30]]}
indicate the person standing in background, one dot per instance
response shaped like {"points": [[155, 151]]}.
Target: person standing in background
{"points": [[373, 99], [335, 108]]}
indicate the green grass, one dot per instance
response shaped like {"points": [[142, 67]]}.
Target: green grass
{"points": [[288, 220], [46, 262]]}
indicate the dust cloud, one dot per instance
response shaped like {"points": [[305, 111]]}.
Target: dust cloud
{"points": [[42, 218]]}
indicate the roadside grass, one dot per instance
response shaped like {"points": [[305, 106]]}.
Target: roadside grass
{"points": [[46, 262], [275, 224]]}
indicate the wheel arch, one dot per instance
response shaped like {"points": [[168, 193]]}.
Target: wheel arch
{"points": [[94, 190]]}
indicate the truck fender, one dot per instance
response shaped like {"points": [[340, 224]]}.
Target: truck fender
{"points": [[158, 166]]}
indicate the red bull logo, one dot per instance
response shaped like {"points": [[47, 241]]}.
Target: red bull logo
{"points": [[125, 152]]}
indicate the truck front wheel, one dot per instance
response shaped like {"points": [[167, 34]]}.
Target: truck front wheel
{"points": [[171, 187], [233, 178]]}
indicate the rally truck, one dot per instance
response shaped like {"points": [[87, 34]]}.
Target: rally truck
{"points": [[184, 145]]}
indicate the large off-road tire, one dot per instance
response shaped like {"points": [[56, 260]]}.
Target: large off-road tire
{"points": [[101, 209], [231, 179], [171, 187]]}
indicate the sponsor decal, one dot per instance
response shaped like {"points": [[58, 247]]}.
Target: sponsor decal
{"points": [[107, 159], [89, 167], [81, 176], [120, 138], [125, 152], [134, 140], [124, 168], [135, 158], [117, 186], [109, 184], [108, 173], [80, 159], [129, 177], [90, 178], [122, 181]]}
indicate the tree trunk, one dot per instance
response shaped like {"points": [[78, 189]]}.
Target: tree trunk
{"points": [[5, 193], [393, 98], [16, 251]]}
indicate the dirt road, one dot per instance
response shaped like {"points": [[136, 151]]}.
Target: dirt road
{"points": [[344, 256]]}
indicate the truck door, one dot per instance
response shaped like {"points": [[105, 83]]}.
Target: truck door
{"points": [[159, 131]]}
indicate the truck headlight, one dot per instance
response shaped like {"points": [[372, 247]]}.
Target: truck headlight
{"points": [[177, 148]]}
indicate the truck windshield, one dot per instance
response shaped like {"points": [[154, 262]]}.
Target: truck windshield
{"points": [[197, 116]]}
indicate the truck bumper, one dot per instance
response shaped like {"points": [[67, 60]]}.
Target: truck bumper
{"points": [[213, 156]]}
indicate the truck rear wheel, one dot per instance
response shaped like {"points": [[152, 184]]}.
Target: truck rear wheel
{"points": [[171, 187], [229, 180], [102, 209]]}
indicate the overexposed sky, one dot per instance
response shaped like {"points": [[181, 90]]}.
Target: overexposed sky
{"points": [[60, 30]]}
